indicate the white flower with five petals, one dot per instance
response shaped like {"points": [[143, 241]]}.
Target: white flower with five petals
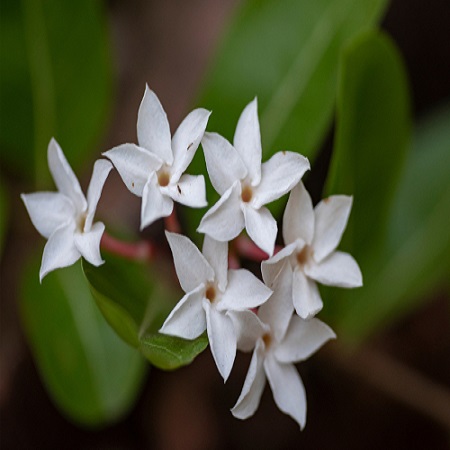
{"points": [[246, 185], [281, 340], [66, 217], [213, 295], [154, 169], [311, 236]]}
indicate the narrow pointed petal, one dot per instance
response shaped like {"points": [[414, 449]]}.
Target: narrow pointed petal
{"points": [[134, 164], [303, 338], [154, 204], [338, 269], [278, 176], [222, 339], [187, 139], [298, 219], [331, 216], [102, 167], [191, 266], [59, 251], [88, 244], [216, 253], [261, 227], [271, 267], [63, 175], [306, 296], [244, 291], [225, 220], [190, 191], [277, 311], [223, 162], [287, 388], [153, 127], [48, 211], [253, 388], [248, 328], [247, 141], [187, 320]]}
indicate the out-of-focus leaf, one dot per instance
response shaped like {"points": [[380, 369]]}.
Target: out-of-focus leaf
{"points": [[286, 53], [416, 255], [135, 305], [4, 216], [91, 374], [55, 80]]}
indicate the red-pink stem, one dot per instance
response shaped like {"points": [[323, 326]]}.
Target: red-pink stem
{"points": [[171, 222], [137, 251], [248, 249]]}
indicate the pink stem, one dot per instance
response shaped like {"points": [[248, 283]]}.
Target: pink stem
{"points": [[171, 222], [137, 251], [247, 249]]}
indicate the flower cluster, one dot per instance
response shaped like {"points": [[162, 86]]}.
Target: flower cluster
{"points": [[274, 318]]}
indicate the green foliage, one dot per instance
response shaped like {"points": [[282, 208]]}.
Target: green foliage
{"points": [[136, 307], [90, 373], [4, 216], [55, 80]]}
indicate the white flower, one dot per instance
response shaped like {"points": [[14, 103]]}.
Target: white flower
{"points": [[212, 292], [245, 185], [65, 218], [154, 169], [281, 340], [311, 237]]}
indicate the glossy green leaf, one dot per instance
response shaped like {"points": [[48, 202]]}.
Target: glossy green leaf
{"points": [[55, 80], [135, 305], [91, 374]]}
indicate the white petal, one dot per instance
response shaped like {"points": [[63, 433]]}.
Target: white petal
{"points": [[60, 251], [65, 179], [278, 176], [253, 388], [244, 291], [153, 127], [287, 388], [271, 267], [298, 219], [303, 338], [225, 220], [48, 211], [223, 162], [88, 244], [154, 204], [191, 266], [222, 339], [102, 167], [338, 269], [216, 253], [247, 141], [134, 164], [248, 328], [277, 311], [261, 227], [187, 320], [187, 138], [331, 216], [306, 296], [190, 191]]}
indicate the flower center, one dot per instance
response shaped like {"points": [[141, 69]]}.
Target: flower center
{"points": [[304, 255], [267, 339], [247, 193], [210, 292], [81, 222], [163, 178]]}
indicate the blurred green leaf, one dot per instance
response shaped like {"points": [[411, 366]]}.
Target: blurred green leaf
{"points": [[135, 305], [90, 373], [55, 80], [4, 215]]}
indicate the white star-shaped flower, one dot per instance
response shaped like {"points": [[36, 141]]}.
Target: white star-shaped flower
{"points": [[212, 293], [246, 185], [66, 217], [311, 236], [154, 169], [281, 340]]}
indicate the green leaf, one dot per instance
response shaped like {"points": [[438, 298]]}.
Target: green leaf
{"points": [[135, 305], [55, 80], [89, 372]]}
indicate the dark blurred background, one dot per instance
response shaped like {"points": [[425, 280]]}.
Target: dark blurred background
{"points": [[359, 402]]}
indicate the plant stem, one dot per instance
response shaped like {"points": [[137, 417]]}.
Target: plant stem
{"points": [[248, 249], [171, 222], [137, 251]]}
